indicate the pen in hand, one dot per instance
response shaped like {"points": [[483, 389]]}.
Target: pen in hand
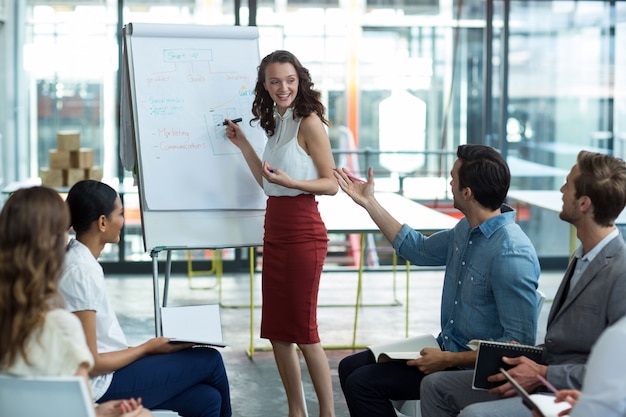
{"points": [[547, 383], [225, 123]]}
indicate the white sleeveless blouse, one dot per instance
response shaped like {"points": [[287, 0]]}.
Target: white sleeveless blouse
{"points": [[282, 151]]}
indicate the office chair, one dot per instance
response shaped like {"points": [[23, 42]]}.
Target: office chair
{"points": [[44, 396], [411, 408], [49, 397]]}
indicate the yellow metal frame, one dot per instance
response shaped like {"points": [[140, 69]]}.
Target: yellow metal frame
{"points": [[216, 269], [251, 350]]}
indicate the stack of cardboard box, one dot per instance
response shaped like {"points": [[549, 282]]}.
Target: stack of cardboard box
{"points": [[69, 163]]}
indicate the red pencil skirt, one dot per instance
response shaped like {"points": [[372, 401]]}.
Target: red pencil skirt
{"points": [[294, 249]]}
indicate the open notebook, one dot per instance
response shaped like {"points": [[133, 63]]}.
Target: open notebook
{"points": [[403, 349], [199, 324]]}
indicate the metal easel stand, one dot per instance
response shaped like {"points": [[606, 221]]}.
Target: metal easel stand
{"points": [[154, 254]]}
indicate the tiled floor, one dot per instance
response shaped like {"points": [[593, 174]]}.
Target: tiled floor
{"points": [[256, 389]]}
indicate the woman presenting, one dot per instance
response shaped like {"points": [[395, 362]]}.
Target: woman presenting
{"points": [[297, 165]]}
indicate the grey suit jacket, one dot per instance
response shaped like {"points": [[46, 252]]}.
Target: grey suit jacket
{"points": [[576, 321]]}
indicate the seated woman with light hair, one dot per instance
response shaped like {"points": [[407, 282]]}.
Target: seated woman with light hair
{"points": [[37, 336]]}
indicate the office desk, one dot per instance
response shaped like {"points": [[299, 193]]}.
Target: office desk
{"points": [[546, 199], [342, 215], [523, 168], [552, 200]]}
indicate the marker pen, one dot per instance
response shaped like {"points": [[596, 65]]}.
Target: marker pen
{"points": [[352, 177], [237, 120], [546, 383]]}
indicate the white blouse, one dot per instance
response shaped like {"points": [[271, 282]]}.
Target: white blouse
{"points": [[82, 287], [285, 153], [58, 348]]}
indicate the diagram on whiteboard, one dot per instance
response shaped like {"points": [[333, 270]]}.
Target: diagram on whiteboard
{"points": [[184, 89]]}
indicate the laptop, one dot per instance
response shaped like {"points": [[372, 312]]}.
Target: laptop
{"points": [[200, 324]]}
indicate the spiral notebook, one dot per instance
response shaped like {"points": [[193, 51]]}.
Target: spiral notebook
{"points": [[489, 360]]}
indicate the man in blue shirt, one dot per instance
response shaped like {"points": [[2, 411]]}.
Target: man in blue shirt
{"points": [[489, 289], [589, 299]]}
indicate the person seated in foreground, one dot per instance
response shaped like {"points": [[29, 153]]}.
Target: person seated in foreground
{"points": [[604, 386], [489, 289], [590, 298], [37, 336], [174, 376]]}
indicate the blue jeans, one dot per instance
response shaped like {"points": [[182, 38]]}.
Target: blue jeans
{"points": [[192, 382], [369, 386]]}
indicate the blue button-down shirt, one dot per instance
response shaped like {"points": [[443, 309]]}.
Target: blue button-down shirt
{"points": [[490, 283]]}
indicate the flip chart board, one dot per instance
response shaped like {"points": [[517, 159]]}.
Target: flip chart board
{"points": [[183, 81]]}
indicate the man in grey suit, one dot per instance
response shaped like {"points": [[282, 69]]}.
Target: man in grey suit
{"points": [[590, 298]]}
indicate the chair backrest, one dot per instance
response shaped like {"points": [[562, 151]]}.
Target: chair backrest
{"points": [[541, 298], [44, 396]]}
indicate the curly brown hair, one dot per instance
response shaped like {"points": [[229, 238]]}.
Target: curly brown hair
{"points": [[307, 100], [34, 222]]}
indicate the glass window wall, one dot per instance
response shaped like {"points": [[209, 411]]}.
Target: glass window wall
{"points": [[538, 80], [563, 84], [3, 93]]}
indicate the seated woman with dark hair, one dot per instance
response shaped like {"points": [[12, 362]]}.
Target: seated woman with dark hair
{"points": [[189, 380]]}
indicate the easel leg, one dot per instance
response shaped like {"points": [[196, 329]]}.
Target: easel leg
{"points": [[168, 271], [154, 254], [218, 273]]}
